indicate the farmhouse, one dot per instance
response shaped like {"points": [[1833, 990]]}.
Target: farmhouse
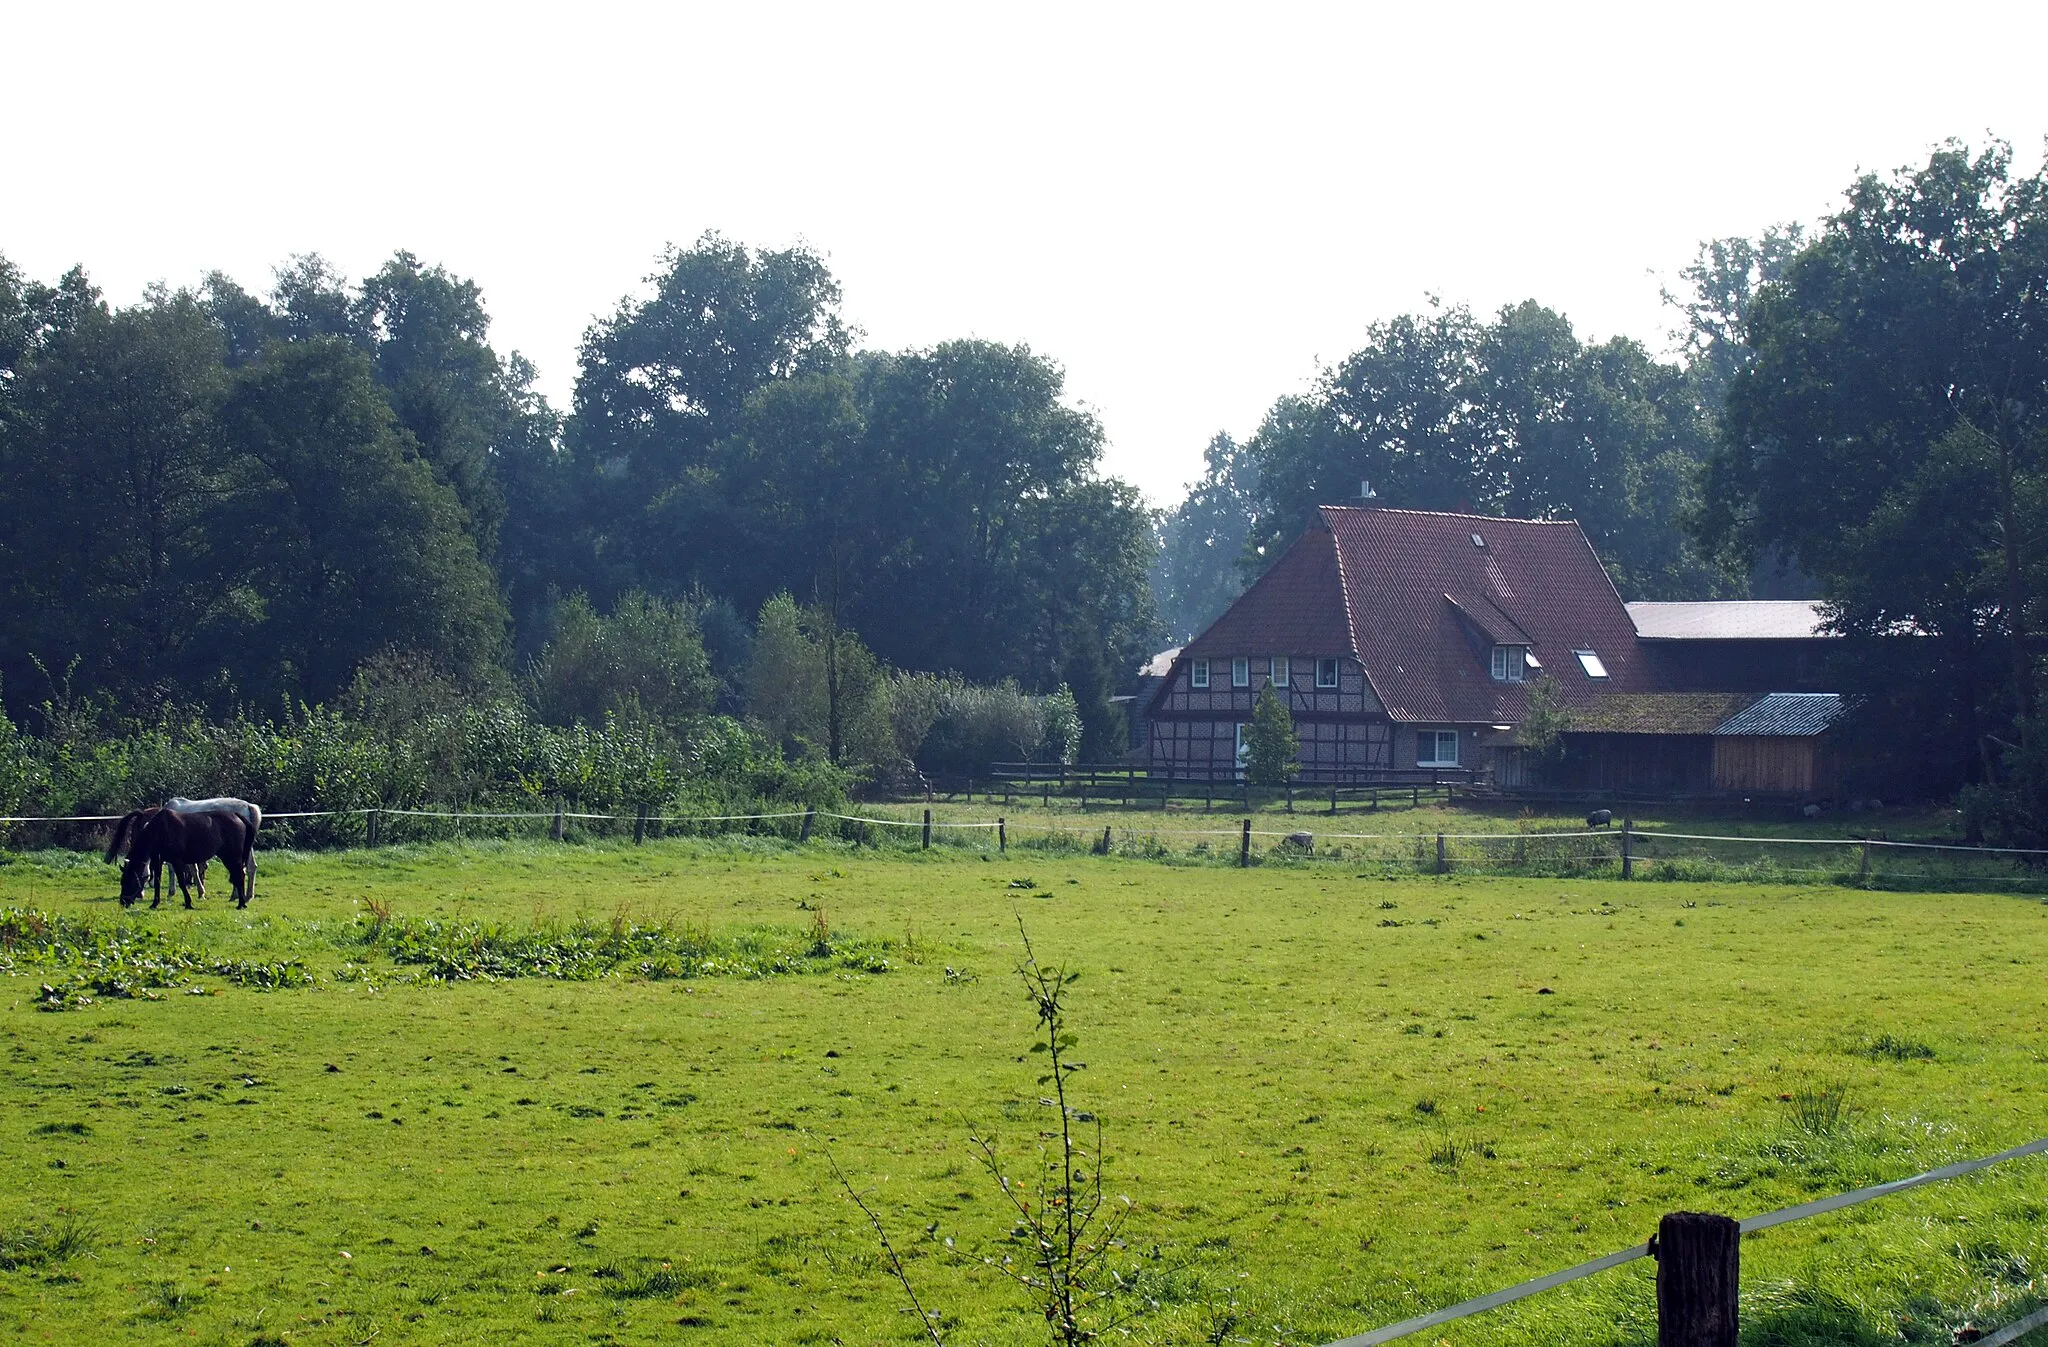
{"points": [[1407, 644]]}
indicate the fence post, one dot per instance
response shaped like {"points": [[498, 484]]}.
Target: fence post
{"points": [[927, 831], [1333, 800], [1002, 835], [1863, 874], [555, 828], [1628, 854], [1290, 797], [640, 824], [810, 817], [1442, 863], [1244, 846], [1415, 797], [1698, 1275], [1105, 840], [370, 828]]}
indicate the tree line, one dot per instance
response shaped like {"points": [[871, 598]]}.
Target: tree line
{"points": [[223, 500]]}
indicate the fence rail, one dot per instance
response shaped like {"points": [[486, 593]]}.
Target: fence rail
{"points": [[1624, 852], [1820, 1206]]}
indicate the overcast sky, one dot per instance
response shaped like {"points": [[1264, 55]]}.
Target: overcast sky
{"points": [[1187, 207]]}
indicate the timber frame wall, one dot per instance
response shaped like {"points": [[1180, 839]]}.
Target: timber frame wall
{"points": [[1343, 730]]}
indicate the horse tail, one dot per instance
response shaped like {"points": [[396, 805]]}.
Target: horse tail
{"points": [[122, 830]]}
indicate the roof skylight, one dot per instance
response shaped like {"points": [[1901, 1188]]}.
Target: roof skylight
{"points": [[1590, 662]]}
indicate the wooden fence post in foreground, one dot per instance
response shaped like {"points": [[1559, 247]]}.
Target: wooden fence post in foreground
{"points": [[1863, 874], [640, 825], [555, 828], [1442, 862], [1244, 846], [810, 817], [1106, 843], [1698, 1275], [370, 827], [1628, 851], [927, 830], [1002, 835]]}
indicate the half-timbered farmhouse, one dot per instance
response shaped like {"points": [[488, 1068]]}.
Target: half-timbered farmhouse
{"points": [[1406, 643]]}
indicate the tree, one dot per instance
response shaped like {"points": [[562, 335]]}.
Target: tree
{"points": [[1889, 431], [1517, 416], [664, 379], [644, 663], [426, 333], [1202, 540], [351, 544], [1271, 745], [1724, 278], [113, 476], [1545, 722]]}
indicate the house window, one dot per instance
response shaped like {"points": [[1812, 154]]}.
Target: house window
{"points": [[1198, 673], [1510, 663], [1590, 662], [1279, 671], [1241, 672], [1326, 673], [1436, 748]]}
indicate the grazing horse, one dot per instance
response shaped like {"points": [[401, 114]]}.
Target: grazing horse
{"points": [[158, 837], [250, 815]]}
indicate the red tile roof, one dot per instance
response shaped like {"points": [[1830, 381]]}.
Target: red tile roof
{"points": [[1296, 608], [1535, 577]]}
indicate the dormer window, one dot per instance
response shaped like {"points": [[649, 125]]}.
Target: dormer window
{"points": [[1510, 663], [1590, 662]]}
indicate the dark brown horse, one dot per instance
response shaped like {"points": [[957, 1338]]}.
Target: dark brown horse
{"points": [[157, 837]]}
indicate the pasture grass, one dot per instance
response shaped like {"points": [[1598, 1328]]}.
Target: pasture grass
{"points": [[490, 1112]]}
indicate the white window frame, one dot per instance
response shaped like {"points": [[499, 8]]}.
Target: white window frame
{"points": [[1335, 668], [1435, 739], [1511, 664], [1591, 662], [1198, 673], [1241, 671], [1278, 672]]}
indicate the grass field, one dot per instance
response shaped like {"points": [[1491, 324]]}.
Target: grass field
{"points": [[1334, 1100]]}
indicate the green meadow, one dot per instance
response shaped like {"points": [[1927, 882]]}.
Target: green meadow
{"points": [[514, 1091]]}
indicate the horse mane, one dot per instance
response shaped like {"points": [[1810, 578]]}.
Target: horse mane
{"points": [[128, 830]]}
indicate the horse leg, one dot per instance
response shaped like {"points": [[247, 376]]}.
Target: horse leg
{"points": [[156, 876]]}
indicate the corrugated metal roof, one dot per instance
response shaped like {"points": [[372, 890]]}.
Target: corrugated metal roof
{"points": [[1729, 620], [1785, 715]]}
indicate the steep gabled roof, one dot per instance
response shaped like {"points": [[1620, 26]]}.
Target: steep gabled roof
{"points": [[1537, 579], [1295, 608]]}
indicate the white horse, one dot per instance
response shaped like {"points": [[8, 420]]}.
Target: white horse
{"points": [[251, 816]]}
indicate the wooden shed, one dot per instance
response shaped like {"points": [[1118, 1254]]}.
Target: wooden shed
{"points": [[1779, 746]]}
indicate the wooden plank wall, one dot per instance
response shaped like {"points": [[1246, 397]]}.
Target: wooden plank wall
{"points": [[1769, 764]]}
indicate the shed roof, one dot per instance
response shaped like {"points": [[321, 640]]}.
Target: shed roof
{"points": [[1658, 712], [1730, 620], [1785, 715]]}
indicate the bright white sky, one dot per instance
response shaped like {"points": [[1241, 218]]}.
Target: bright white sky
{"points": [[1190, 207]]}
